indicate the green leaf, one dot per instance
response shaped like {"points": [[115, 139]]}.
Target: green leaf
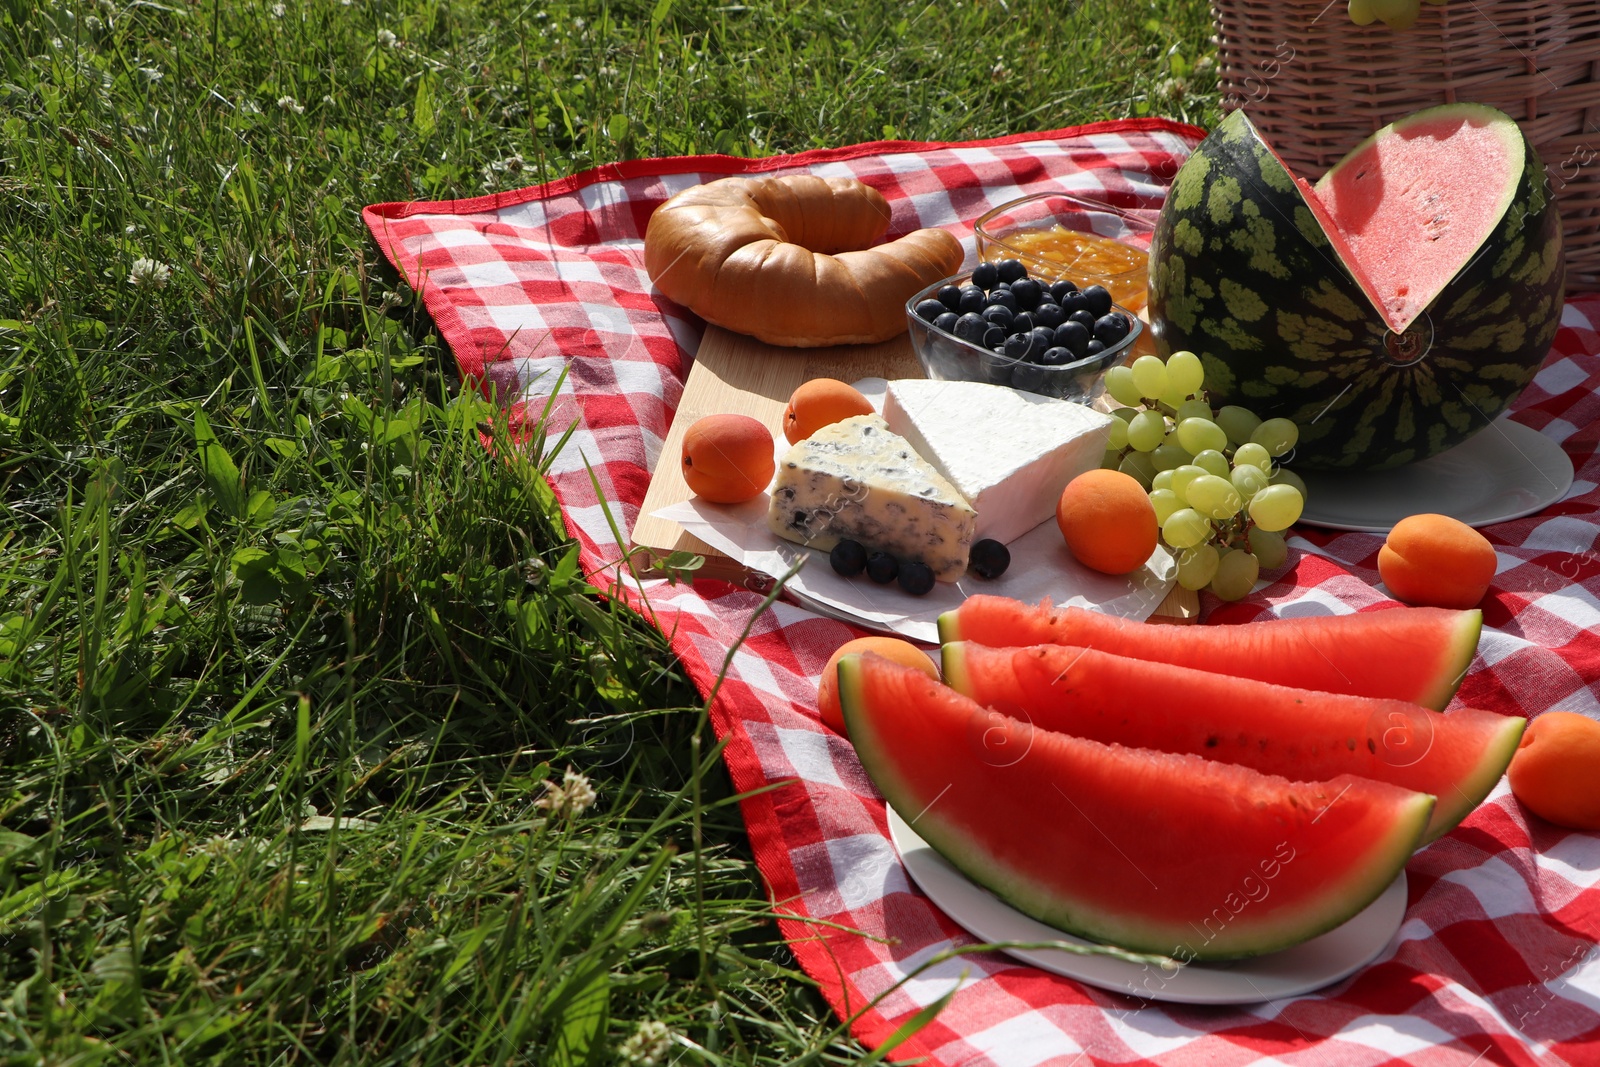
{"points": [[423, 119], [221, 473], [580, 1028]]}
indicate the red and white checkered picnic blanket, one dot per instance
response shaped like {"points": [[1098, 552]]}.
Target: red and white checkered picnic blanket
{"points": [[1496, 959]]}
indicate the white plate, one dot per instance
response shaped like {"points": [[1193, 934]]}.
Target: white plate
{"points": [[1311, 965], [1503, 472]]}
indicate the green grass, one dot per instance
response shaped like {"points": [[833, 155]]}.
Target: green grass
{"points": [[289, 670]]}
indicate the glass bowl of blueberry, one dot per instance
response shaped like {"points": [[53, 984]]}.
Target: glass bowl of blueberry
{"points": [[1000, 325]]}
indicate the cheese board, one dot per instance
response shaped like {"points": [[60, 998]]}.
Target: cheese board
{"points": [[741, 375]]}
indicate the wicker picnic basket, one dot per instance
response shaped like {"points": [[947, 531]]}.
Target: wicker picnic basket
{"points": [[1316, 84]]}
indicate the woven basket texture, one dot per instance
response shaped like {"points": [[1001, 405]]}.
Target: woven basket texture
{"points": [[1316, 84]]}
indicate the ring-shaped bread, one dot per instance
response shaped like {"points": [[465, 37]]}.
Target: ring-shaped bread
{"points": [[792, 260]]}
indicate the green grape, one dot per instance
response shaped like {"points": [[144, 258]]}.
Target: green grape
{"points": [[1162, 480], [1253, 455], [1192, 409], [1149, 375], [1184, 476], [1276, 507], [1214, 497], [1237, 422], [1269, 547], [1111, 460], [1277, 436], [1174, 398], [1288, 477], [1197, 435], [1248, 480], [1197, 565], [1168, 456], [1118, 438], [1138, 465], [1184, 371], [1213, 461], [1119, 383], [1185, 528], [1125, 414], [1146, 430], [1165, 501], [1236, 574]]}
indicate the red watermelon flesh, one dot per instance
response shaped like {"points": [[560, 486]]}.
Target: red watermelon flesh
{"points": [[1297, 733], [1418, 655], [1148, 850], [1408, 207]]}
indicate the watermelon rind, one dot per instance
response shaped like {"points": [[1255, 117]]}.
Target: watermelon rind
{"points": [[1243, 274], [1001, 826]]}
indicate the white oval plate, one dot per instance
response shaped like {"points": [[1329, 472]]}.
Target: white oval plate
{"points": [[1311, 965], [1503, 472]]}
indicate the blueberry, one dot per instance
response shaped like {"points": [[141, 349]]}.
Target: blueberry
{"points": [[1060, 289], [848, 558], [1085, 317], [1072, 336], [1022, 322], [972, 299], [950, 297], [1093, 348], [1028, 376], [998, 315], [930, 310], [1049, 315], [916, 578], [1027, 292], [1004, 298], [1055, 357], [1099, 299], [947, 321], [882, 568], [970, 327], [994, 336], [1018, 345], [1075, 302], [1011, 270], [1002, 287], [988, 558], [984, 275], [1042, 339], [1109, 329]]}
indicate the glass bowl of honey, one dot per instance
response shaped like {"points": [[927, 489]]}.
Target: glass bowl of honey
{"points": [[1073, 236]]}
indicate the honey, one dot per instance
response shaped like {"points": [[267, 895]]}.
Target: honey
{"points": [[1082, 258]]}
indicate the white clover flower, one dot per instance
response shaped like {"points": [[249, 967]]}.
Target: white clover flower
{"points": [[579, 23], [1203, 64], [149, 274], [570, 799], [648, 1045], [1171, 88], [277, 11], [94, 23], [387, 38], [289, 103]]}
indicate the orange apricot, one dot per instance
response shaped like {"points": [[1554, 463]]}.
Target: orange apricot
{"points": [[892, 648], [1556, 769], [1108, 521], [821, 402], [1436, 561], [728, 458]]}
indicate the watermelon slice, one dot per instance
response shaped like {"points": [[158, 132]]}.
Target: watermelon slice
{"points": [[1418, 655], [1297, 733], [1148, 850]]}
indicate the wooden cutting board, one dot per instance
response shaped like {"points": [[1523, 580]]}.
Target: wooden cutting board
{"points": [[738, 375]]}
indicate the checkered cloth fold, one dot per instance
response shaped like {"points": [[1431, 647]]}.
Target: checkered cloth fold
{"points": [[1496, 960]]}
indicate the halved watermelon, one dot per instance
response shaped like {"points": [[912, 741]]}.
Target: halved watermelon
{"points": [[1148, 850], [1297, 733], [1417, 655]]}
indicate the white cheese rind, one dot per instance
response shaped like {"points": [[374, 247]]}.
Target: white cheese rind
{"points": [[1009, 453], [855, 479]]}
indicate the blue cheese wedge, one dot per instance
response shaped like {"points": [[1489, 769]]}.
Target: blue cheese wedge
{"points": [[1008, 453], [855, 479]]}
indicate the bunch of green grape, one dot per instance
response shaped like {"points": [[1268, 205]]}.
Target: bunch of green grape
{"points": [[1222, 502]]}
